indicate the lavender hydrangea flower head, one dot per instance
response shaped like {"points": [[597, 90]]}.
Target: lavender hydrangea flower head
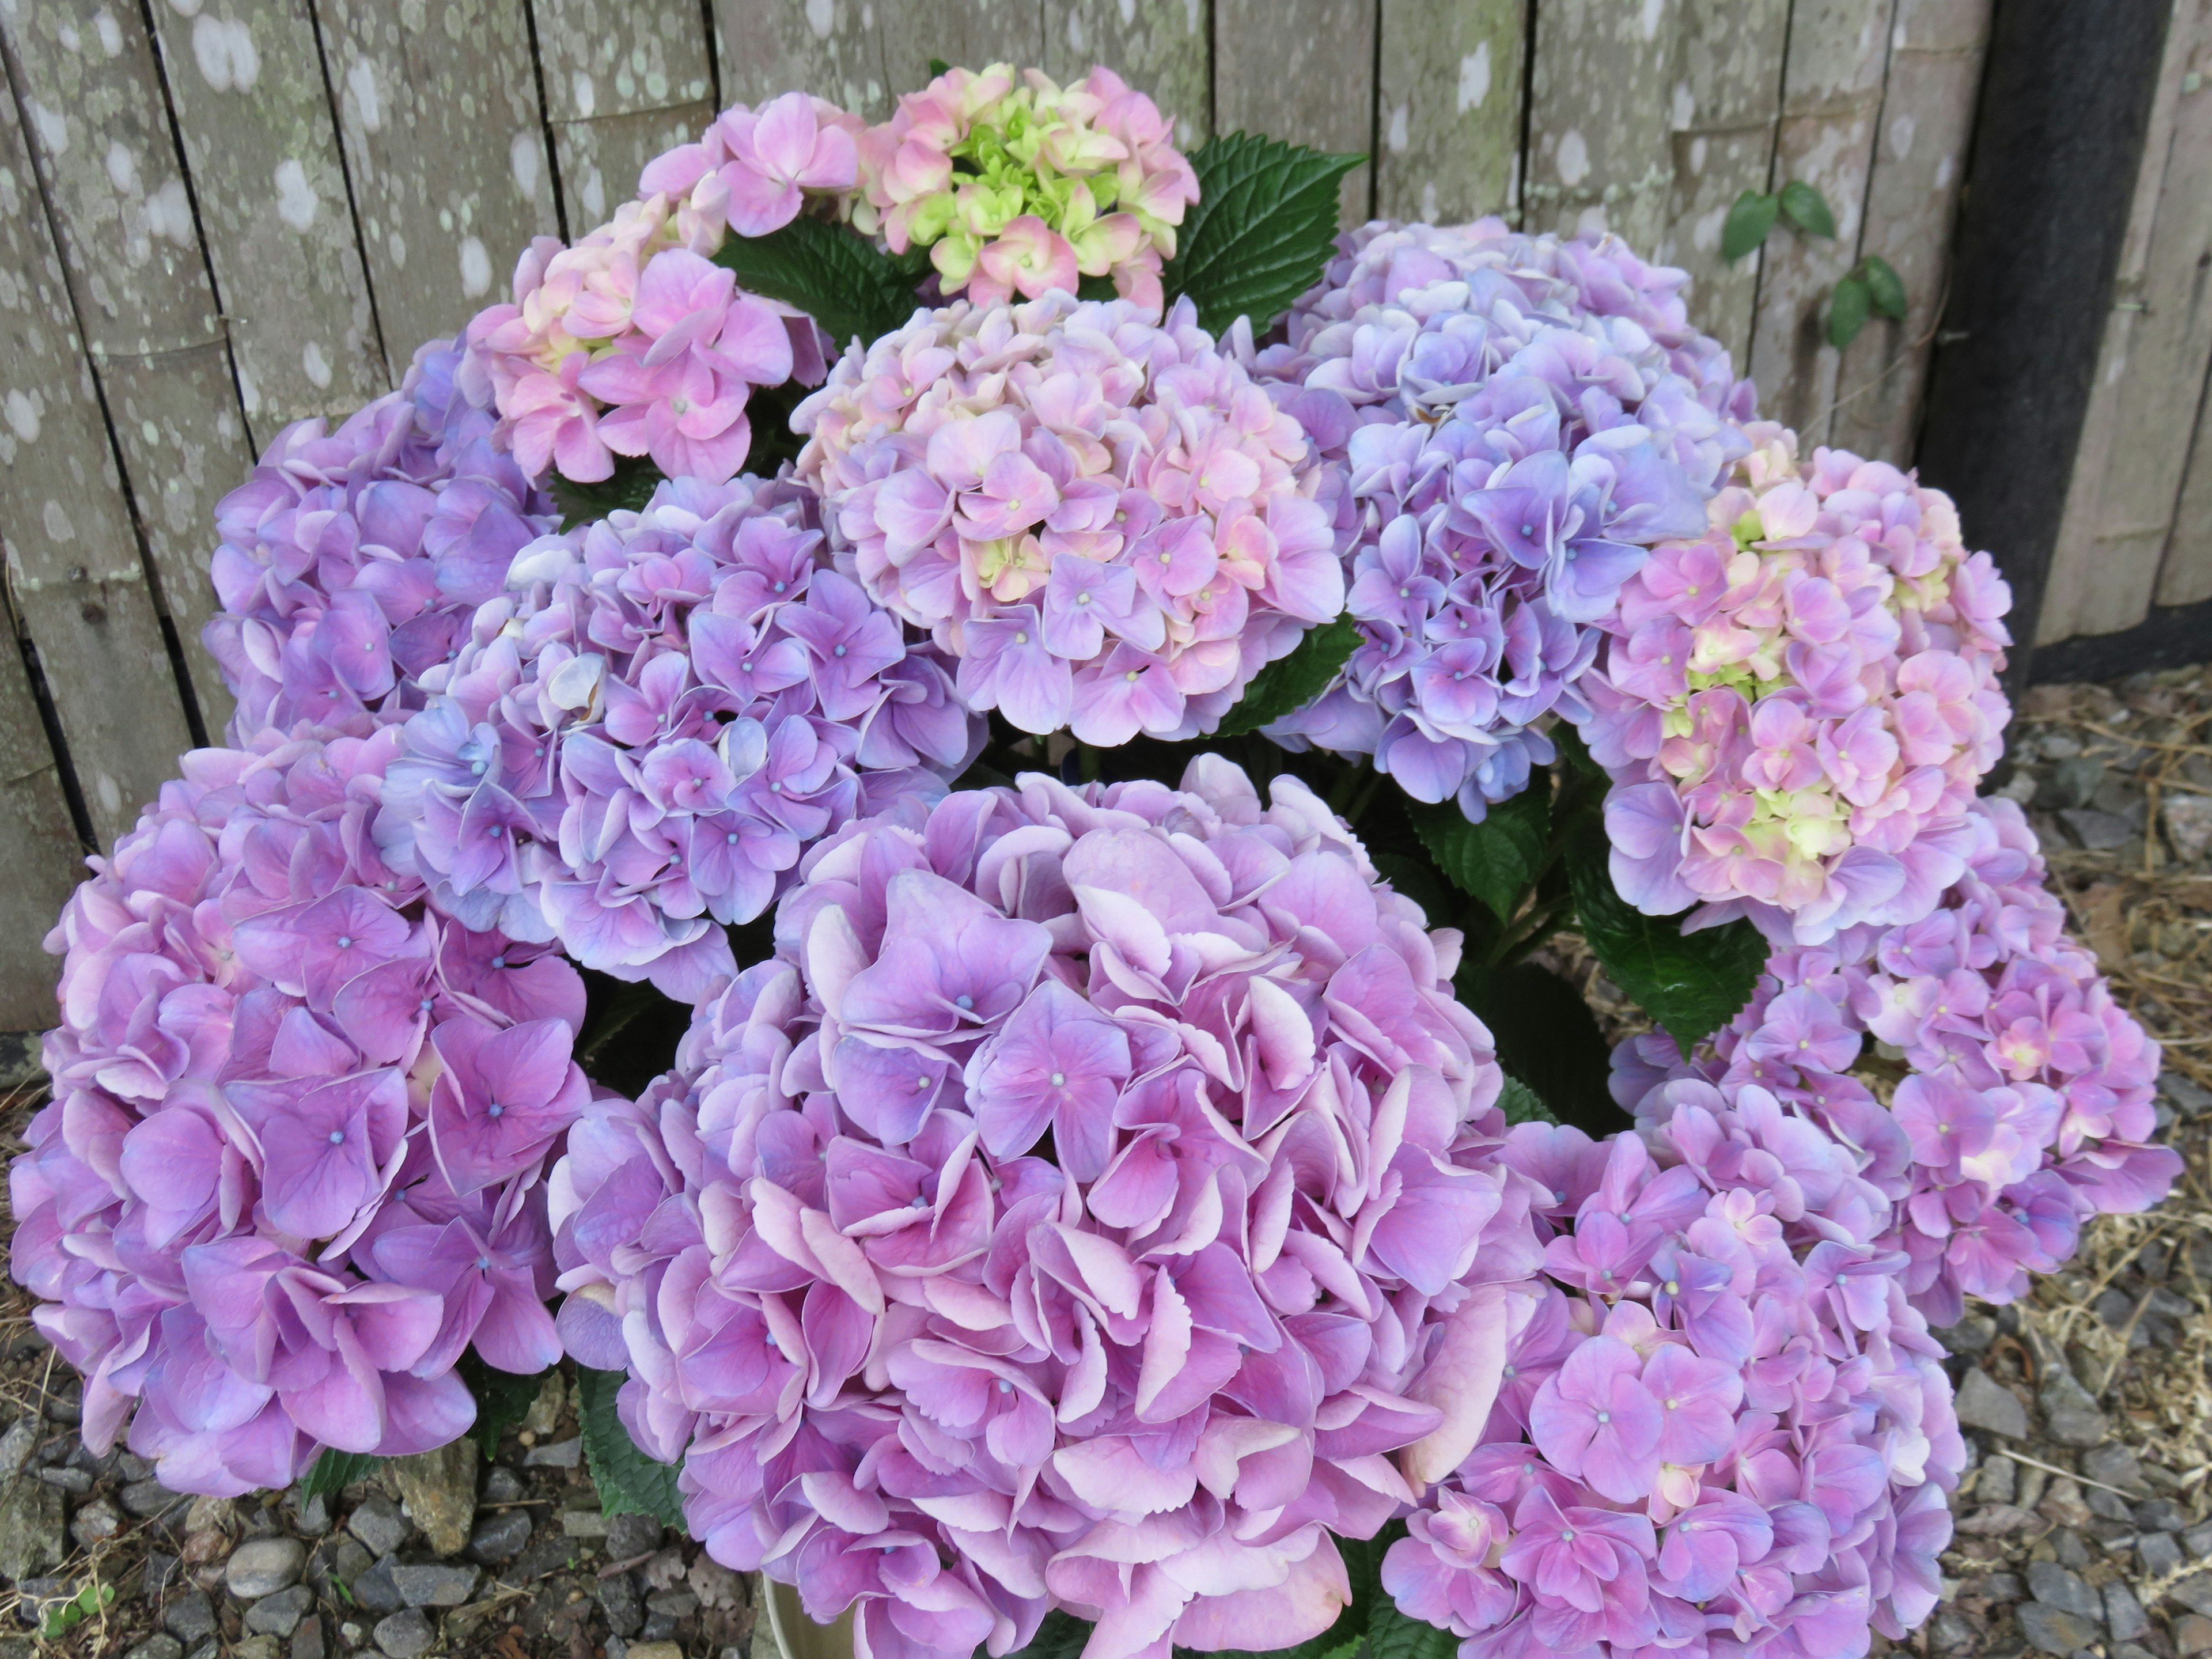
{"points": [[2006, 1099], [643, 734], [1512, 451], [1720, 1426], [1103, 518], [292, 1165], [1092, 1204], [351, 561], [1796, 705]]}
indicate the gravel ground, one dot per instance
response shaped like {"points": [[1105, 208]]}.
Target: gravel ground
{"points": [[2084, 1519]]}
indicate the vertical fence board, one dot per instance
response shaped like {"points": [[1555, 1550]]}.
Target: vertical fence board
{"points": [[101, 140], [40, 859], [1832, 96], [1160, 47], [1920, 161], [827, 47], [247, 83], [968, 33], [1723, 107], [1600, 110], [1303, 70], [1450, 108], [2186, 577], [438, 108], [625, 81], [2128, 469], [73, 567]]}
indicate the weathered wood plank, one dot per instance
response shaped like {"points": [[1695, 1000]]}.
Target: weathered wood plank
{"points": [[1450, 108], [102, 143], [2186, 575], [1726, 102], [40, 858], [1832, 96], [1302, 70], [968, 32], [2128, 467], [1601, 108], [624, 82], [446, 144], [1160, 47], [74, 565], [828, 47], [1920, 162], [246, 80]]}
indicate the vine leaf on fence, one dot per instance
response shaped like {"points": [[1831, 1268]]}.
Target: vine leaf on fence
{"points": [[1498, 859], [1849, 307], [335, 1470], [1289, 683], [1262, 230], [1748, 221], [1804, 206], [630, 1482], [831, 272], [1690, 983]]}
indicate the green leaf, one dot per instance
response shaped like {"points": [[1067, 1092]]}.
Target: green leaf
{"points": [[1498, 859], [1807, 208], [1263, 228], [1414, 878], [1847, 310], [938, 66], [1062, 1636], [335, 1470], [1884, 287], [1289, 683], [831, 272], [1690, 983], [63, 1616], [1523, 1104], [1748, 221], [629, 488], [1547, 1038], [630, 1482], [504, 1399], [1393, 1635], [1094, 288]]}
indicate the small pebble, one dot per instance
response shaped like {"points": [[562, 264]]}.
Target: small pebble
{"points": [[2158, 1552], [377, 1522], [2192, 1635], [374, 1590], [405, 1634], [189, 1617], [157, 1647], [433, 1583], [280, 1614], [584, 1524], [655, 1650], [504, 1485], [161, 1570], [78, 1481], [618, 1599], [149, 1497], [307, 1640], [262, 1566], [67, 1408], [95, 1522], [561, 1454], [2123, 1615], [500, 1537], [2054, 1630]]}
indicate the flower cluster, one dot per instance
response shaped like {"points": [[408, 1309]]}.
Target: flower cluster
{"points": [[2008, 1097], [641, 736], [1511, 450], [351, 561], [1797, 704], [1021, 185], [1105, 520], [1091, 1193], [291, 1165], [1719, 1426]]}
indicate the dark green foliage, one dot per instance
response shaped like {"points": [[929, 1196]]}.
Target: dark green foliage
{"points": [[1748, 221], [1849, 306], [1546, 1037], [1263, 227], [630, 486], [1499, 859], [831, 271], [334, 1471], [1884, 287], [504, 1399], [1804, 206], [1289, 683], [630, 1482], [1521, 1104]]}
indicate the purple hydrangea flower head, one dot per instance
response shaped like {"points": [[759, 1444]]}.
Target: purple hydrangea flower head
{"points": [[1654, 1474], [262, 1213], [1101, 516], [1995, 1090], [1515, 431], [1796, 706], [1097, 1195], [647, 728], [351, 561]]}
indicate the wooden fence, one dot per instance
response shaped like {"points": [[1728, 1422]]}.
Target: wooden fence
{"points": [[217, 216]]}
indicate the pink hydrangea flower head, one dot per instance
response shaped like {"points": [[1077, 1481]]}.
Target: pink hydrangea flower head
{"points": [[237, 1215], [1103, 518], [1096, 1193], [647, 728]]}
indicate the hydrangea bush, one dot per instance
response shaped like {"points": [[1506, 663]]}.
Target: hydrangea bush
{"points": [[844, 608]]}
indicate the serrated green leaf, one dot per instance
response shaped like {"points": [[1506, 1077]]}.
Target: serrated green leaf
{"points": [[831, 271], [335, 1470], [1263, 228], [1546, 1036], [1807, 208], [938, 66], [1885, 286], [1289, 683], [1498, 859], [630, 1482], [504, 1399], [629, 488], [1392, 1634], [1748, 221], [1847, 310], [1690, 983], [1523, 1104]]}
